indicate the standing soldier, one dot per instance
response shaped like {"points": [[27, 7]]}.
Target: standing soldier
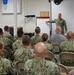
{"points": [[60, 22]]}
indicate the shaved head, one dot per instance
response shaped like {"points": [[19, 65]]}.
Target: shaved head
{"points": [[58, 29], [40, 49]]}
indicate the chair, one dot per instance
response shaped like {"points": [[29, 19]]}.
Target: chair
{"points": [[56, 48], [63, 68], [67, 58], [50, 56], [20, 68]]}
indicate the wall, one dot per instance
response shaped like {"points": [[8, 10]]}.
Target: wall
{"points": [[67, 10], [29, 7], [33, 7], [9, 19]]}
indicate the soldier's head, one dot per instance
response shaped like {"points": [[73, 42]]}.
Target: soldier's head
{"points": [[20, 33], [40, 50], [6, 28], [45, 37], [37, 30], [20, 28], [26, 40], [58, 29], [1, 32], [70, 35], [71, 72], [1, 47], [59, 15]]}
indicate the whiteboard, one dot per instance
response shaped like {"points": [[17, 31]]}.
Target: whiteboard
{"points": [[30, 25], [9, 7], [41, 22]]}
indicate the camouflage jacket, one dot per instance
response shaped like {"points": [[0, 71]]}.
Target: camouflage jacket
{"points": [[67, 46], [7, 43], [23, 54], [36, 39], [17, 44], [41, 67], [6, 67], [49, 46], [61, 23], [7, 35]]}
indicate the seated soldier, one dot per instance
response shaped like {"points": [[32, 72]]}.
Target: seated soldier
{"points": [[57, 38], [25, 52], [45, 41], [18, 43], [40, 66], [6, 67], [16, 36], [6, 33], [37, 38], [68, 45], [7, 42]]}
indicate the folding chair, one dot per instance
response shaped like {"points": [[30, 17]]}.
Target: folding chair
{"points": [[63, 68], [56, 48], [67, 59], [50, 56], [20, 68]]}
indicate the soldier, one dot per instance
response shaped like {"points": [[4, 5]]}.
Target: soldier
{"points": [[6, 41], [60, 22], [16, 36], [45, 41], [6, 33], [37, 38], [6, 67], [24, 53], [40, 66], [68, 45], [18, 43]]}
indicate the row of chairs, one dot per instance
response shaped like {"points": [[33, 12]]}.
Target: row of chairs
{"points": [[65, 58], [50, 56], [20, 68]]}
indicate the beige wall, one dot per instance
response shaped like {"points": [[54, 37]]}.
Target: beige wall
{"points": [[9, 19], [29, 7]]}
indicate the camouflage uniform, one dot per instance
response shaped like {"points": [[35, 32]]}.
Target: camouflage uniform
{"points": [[6, 67], [17, 44], [61, 23], [23, 54], [67, 46], [7, 35], [36, 39], [41, 67], [49, 46], [7, 43]]}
